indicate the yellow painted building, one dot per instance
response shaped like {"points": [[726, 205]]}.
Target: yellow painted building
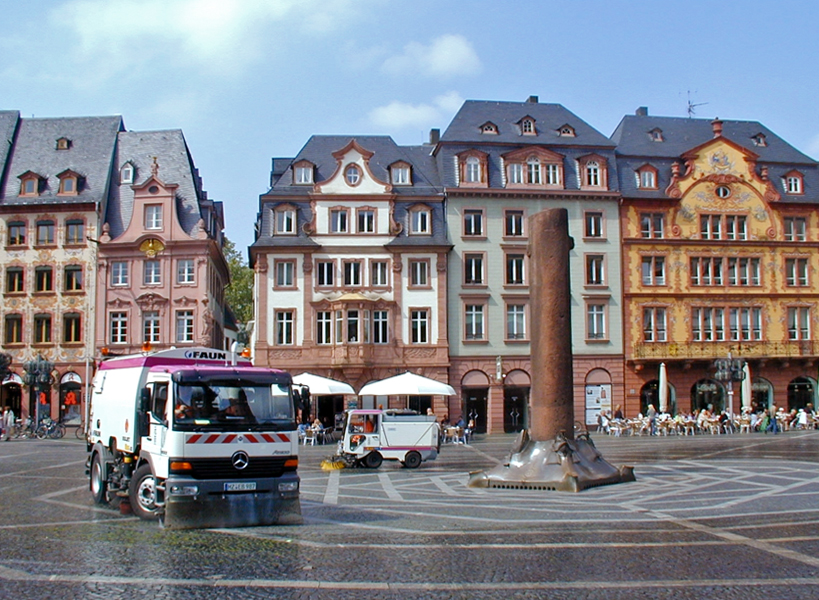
{"points": [[720, 256]]}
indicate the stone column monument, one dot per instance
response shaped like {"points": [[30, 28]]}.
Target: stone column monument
{"points": [[549, 455]]}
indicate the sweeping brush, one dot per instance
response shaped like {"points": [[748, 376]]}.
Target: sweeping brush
{"points": [[332, 464]]}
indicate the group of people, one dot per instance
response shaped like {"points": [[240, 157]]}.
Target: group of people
{"points": [[707, 420]]}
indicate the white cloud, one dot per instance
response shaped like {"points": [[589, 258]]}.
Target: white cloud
{"points": [[219, 36], [401, 115], [446, 56]]}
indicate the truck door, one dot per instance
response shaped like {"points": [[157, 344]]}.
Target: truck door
{"points": [[157, 418]]}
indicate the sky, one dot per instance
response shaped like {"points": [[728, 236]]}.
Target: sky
{"points": [[249, 80]]}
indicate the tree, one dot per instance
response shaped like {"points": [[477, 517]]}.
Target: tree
{"points": [[239, 294]]}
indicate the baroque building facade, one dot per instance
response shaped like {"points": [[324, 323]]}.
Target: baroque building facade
{"points": [[78, 195], [720, 259]]}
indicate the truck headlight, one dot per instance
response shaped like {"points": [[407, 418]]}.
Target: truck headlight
{"points": [[289, 486], [184, 490]]}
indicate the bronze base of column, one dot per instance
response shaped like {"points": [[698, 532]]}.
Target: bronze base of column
{"points": [[562, 465]]}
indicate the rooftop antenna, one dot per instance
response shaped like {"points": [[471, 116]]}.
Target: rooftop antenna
{"points": [[692, 106]]}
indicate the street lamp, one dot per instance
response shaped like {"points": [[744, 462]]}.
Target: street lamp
{"points": [[729, 370], [38, 377]]}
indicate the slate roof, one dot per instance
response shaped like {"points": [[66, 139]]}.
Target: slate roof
{"points": [[92, 143], [635, 148], [8, 125], [319, 151], [464, 133], [175, 167]]}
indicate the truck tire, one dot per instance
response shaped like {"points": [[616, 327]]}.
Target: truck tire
{"points": [[373, 460], [142, 493], [98, 483], [412, 460]]}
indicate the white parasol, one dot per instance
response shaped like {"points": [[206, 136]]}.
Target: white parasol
{"points": [[746, 386], [323, 386], [663, 389], [407, 384]]}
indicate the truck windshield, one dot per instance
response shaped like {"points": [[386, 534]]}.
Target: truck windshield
{"points": [[230, 406]]}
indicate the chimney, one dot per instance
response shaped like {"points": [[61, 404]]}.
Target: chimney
{"points": [[434, 136], [532, 100], [716, 125], [642, 111]]}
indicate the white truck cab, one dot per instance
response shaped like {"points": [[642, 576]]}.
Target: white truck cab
{"points": [[374, 435]]}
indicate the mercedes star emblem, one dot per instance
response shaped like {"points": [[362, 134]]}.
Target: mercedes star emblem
{"points": [[240, 460]]}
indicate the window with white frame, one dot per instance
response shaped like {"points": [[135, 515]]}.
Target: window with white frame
{"points": [[185, 271], [513, 220], [708, 324], [325, 273], [595, 320], [743, 271], [119, 273], [473, 170], [474, 322], [118, 328], [515, 268], [352, 174], [798, 323], [304, 174], [652, 225], [647, 179], [381, 331], [184, 326], [533, 172], [352, 273], [796, 272], [153, 216], [553, 171], [152, 274], [284, 327], [793, 183], [736, 227], [515, 322], [653, 270], [515, 171], [654, 324], [379, 273], [400, 174], [710, 227], [126, 173], [366, 220], [419, 221], [595, 269], [592, 171], [745, 324], [795, 229], [593, 224], [285, 273], [324, 327], [419, 326], [353, 326], [285, 221], [419, 273], [473, 269], [473, 222], [706, 270], [150, 326], [338, 220]]}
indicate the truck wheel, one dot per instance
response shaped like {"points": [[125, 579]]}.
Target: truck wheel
{"points": [[373, 460], [98, 484], [412, 460], [142, 493]]}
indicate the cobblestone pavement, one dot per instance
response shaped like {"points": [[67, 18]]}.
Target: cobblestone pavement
{"points": [[708, 517]]}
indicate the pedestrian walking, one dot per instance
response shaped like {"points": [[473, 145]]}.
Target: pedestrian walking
{"points": [[651, 413]]}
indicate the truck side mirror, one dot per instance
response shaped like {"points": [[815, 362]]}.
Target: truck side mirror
{"points": [[142, 412]]}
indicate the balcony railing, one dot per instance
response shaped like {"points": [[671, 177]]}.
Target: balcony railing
{"points": [[711, 350]]}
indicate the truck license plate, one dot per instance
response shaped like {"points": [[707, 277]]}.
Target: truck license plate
{"points": [[240, 486]]}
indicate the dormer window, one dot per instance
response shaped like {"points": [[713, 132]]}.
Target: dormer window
{"points": [[647, 178], [420, 220], [489, 127], [29, 184], [69, 183], [527, 126], [63, 144], [400, 174], [126, 173], [656, 135], [593, 172], [533, 167], [793, 183], [285, 220], [472, 166], [304, 173], [352, 174], [759, 140], [566, 131]]}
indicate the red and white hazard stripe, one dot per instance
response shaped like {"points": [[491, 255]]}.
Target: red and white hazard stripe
{"points": [[237, 438]]}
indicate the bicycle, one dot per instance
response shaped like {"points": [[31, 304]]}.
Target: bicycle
{"points": [[23, 428], [50, 428]]}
